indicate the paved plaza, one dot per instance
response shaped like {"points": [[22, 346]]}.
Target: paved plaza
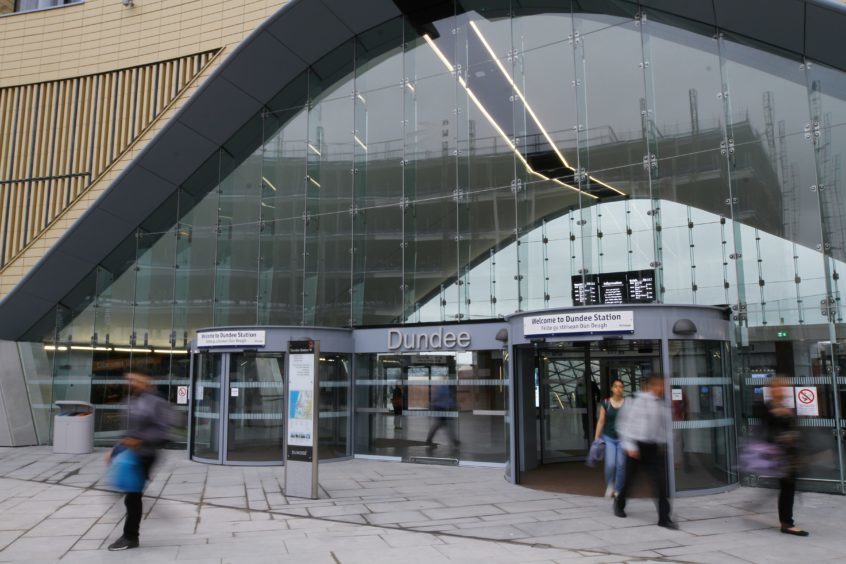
{"points": [[55, 508]]}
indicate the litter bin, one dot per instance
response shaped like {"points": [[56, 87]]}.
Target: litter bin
{"points": [[73, 428]]}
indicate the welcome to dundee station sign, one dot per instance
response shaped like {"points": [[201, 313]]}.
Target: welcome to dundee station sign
{"points": [[583, 322]]}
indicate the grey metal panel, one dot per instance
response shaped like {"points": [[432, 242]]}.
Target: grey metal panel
{"points": [[89, 239], [482, 337], [25, 310], [263, 67], [55, 278], [310, 42], [697, 10], [358, 19], [824, 35], [176, 156], [205, 117], [141, 190], [777, 22], [16, 425]]}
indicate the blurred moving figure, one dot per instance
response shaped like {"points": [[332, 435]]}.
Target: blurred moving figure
{"points": [[396, 404], [443, 401], [780, 427], [606, 429], [149, 422], [642, 426]]}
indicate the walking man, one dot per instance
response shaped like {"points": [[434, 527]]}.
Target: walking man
{"points": [[149, 419], [642, 426]]}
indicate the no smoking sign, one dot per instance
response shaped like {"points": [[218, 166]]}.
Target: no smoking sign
{"points": [[806, 401], [181, 395]]}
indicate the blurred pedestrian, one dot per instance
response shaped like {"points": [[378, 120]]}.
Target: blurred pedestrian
{"points": [[443, 402], [606, 429], [149, 421], [642, 427], [780, 426], [396, 404]]}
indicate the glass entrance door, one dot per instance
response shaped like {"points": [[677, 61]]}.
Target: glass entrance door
{"points": [[246, 390], [573, 378]]}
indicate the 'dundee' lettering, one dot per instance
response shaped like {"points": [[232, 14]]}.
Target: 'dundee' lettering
{"points": [[435, 340]]}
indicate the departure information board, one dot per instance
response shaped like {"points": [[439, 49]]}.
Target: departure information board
{"points": [[614, 288]]}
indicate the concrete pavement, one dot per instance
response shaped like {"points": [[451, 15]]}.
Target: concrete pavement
{"points": [[55, 508]]}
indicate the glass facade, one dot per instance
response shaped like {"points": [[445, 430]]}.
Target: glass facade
{"points": [[467, 168]]}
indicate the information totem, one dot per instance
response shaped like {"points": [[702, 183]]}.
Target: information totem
{"points": [[303, 392]]}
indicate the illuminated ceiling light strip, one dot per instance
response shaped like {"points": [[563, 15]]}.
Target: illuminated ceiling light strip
{"points": [[54, 348], [131, 350], [360, 142], [495, 125], [528, 106], [269, 183], [313, 148], [169, 351]]}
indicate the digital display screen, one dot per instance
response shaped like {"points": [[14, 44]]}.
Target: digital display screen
{"points": [[613, 288]]}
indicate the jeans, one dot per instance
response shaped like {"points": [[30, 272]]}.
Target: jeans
{"points": [[615, 463]]}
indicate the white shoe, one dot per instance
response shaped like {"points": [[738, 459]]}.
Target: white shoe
{"points": [[609, 491]]}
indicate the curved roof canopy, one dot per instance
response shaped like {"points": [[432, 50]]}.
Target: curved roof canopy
{"points": [[293, 39]]}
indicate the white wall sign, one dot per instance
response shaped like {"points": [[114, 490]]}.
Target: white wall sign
{"points": [[181, 395], [583, 322], [233, 392], [677, 394], [231, 338], [807, 401]]}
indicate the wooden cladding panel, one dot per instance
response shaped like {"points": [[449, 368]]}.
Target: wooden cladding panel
{"points": [[57, 138]]}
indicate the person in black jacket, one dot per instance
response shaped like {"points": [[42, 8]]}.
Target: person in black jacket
{"points": [[149, 419], [780, 427]]}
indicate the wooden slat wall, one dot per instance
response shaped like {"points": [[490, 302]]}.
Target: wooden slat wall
{"points": [[57, 137]]}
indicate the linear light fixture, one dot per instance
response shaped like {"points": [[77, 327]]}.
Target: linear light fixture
{"points": [[131, 350], [360, 142], [313, 181], [528, 107], [495, 125], [313, 148], [169, 351], [269, 183], [54, 348]]}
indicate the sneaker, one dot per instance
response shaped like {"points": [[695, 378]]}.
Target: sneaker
{"points": [[609, 491], [672, 525], [123, 543]]}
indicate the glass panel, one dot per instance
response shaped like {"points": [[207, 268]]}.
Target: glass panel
{"points": [[449, 405], [239, 208], [377, 212], [687, 130], [614, 138], [703, 415], [256, 414], [206, 406], [282, 205], [329, 196], [334, 415], [431, 263], [37, 361]]}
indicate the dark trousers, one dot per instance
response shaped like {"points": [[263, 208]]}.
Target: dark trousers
{"points": [[786, 493], [442, 422], [134, 507], [653, 460]]}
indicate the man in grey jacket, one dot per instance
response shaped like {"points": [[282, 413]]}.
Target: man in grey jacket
{"points": [[642, 426], [149, 419]]}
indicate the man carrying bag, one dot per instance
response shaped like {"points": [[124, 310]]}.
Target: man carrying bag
{"points": [[149, 419]]}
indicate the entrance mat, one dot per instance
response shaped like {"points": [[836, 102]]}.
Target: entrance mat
{"points": [[575, 478]]}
